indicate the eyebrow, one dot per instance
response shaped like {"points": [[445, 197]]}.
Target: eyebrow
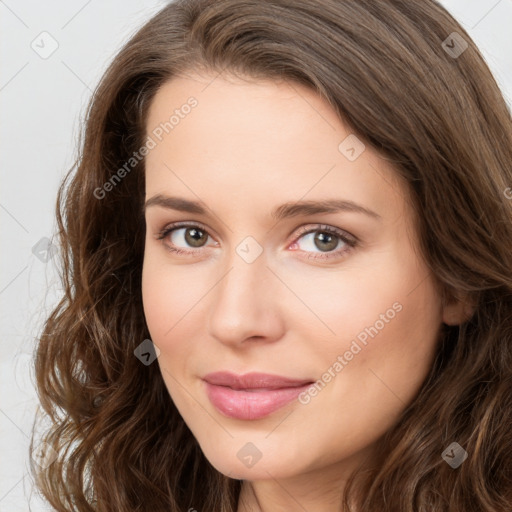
{"points": [[286, 210]]}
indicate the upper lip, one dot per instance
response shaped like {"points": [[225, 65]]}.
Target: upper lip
{"points": [[253, 380]]}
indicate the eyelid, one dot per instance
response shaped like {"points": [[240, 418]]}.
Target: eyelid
{"points": [[183, 224], [311, 228]]}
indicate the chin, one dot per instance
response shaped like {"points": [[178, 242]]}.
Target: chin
{"points": [[243, 460]]}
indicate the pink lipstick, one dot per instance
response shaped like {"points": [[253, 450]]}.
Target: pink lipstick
{"points": [[253, 395]]}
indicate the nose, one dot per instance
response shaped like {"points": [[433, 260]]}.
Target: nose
{"points": [[246, 304]]}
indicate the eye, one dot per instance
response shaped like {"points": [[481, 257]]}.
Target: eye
{"points": [[324, 242], [320, 241], [183, 237]]}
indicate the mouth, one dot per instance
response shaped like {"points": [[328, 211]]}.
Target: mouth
{"points": [[253, 395]]}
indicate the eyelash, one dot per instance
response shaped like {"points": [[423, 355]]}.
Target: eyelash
{"points": [[349, 240]]}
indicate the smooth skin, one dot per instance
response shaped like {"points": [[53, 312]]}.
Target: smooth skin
{"points": [[246, 148]]}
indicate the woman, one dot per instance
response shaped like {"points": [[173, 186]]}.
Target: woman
{"points": [[288, 268]]}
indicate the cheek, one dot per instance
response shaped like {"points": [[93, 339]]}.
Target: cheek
{"points": [[386, 356], [386, 295], [384, 326], [347, 301], [167, 300], [175, 301], [374, 366], [169, 293]]}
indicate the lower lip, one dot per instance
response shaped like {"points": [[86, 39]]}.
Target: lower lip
{"points": [[251, 405]]}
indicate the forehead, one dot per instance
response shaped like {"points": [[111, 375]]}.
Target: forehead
{"points": [[270, 113], [263, 138]]}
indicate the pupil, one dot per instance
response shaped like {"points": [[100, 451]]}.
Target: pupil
{"points": [[193, 237], [326, 238]]}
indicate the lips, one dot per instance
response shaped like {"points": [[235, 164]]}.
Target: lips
{"points": [[252, 395]]}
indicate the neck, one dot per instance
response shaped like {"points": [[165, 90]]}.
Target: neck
{"points": [[319, 490]]}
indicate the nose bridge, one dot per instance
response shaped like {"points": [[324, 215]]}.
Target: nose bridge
{"points": [[247, 264], [244, 302]]}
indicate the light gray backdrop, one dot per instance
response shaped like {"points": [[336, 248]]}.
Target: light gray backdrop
{"points": [[53, 54]]}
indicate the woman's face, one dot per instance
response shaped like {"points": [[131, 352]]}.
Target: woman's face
{"points": [[297, 259]]}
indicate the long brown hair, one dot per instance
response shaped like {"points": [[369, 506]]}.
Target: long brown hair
{"points": [[385, 67]]}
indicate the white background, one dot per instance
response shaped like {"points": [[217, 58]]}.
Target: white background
{"points": [[41, 101]]}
